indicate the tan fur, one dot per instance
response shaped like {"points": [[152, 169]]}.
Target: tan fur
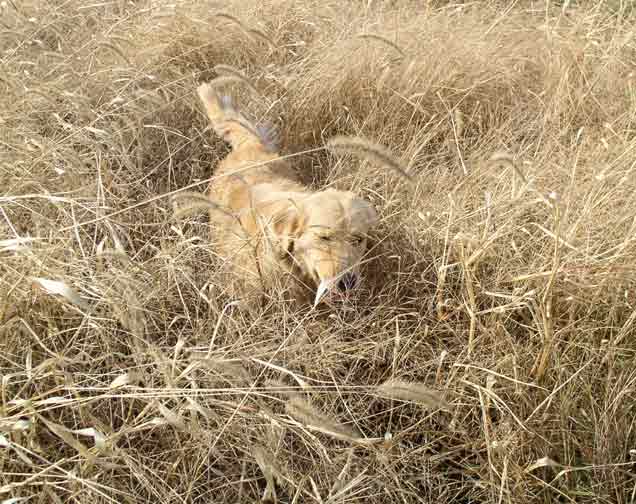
{"points": [[284, 236]]}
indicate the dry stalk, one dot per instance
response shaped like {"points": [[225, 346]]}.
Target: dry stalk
{"points": [[380, 38], [472, 300], [548, 301]]}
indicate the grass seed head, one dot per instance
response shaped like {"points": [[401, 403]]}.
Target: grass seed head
{"points": [[380, 38], [368, 150], [412, 391]]}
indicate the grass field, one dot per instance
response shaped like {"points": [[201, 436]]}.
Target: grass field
{"points": [[489, 357]]}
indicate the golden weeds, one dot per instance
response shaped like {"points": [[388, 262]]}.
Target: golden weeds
{"points": [[130, 373]]}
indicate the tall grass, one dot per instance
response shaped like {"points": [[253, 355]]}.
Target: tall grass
{"points": [[490, 354]]}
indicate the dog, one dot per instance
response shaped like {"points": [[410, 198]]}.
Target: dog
{"points": [[273, 231]]}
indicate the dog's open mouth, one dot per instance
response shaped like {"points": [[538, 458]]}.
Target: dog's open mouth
{"points": [[327, 291]]}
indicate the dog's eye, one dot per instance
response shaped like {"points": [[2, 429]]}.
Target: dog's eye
{"points": [[325, 238]]}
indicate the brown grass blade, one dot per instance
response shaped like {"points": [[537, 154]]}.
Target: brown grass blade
{"points": [[65, 435]]}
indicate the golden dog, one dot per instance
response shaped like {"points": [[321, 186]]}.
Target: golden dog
{"points": [[280, 233]]}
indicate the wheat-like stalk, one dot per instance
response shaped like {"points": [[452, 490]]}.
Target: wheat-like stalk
{"points": [[507, 159], [222, 69], [307, 414], [412, 391], [264, 458], [229, 368], [250, 32], [186, 203], [255, 33], [380, 38], [233, 19], [368, 150], [228, 80]]}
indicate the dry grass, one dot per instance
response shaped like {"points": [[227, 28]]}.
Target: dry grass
{"points": [[491, 357]]}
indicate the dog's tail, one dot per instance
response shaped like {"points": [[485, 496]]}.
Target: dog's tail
{"points": [[228, 122]]}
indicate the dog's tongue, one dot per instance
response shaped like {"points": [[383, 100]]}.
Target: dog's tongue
{"points": [[323, 288]]}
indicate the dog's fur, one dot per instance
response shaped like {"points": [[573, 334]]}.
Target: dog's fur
{"points": [[275, 232]]}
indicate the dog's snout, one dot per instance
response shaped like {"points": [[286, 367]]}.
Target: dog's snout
{"points": [[347, 282]]}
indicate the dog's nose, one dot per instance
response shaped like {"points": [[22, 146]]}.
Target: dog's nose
{"points": [[348, 281]]}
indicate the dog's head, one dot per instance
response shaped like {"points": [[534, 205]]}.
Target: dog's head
{"points": [[325, 234]]}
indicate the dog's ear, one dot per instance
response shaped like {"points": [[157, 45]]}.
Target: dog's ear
{"points": [[287, 224], [365, 211], [359, 209]]}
